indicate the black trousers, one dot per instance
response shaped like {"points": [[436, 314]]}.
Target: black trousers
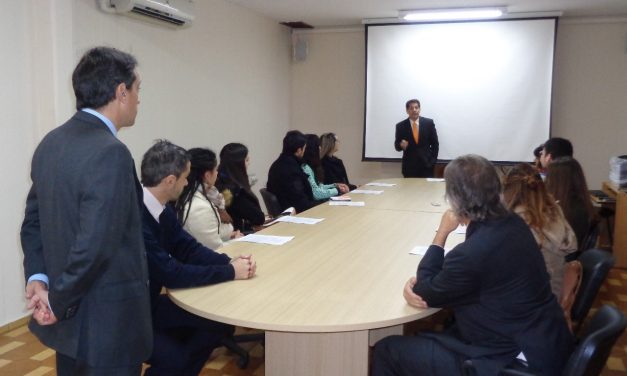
{"points": [[67, 366], [182, 341], [422, 172], [414, 356]]}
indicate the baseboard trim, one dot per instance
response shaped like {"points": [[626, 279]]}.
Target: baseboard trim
{"points": [[14, 325]]}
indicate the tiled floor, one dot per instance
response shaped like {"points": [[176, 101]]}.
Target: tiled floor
{"points": [[22, 354]]}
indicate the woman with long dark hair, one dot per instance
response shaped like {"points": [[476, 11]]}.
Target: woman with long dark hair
{"points": [[333, 167], [312, 166], [566, 182], [233, 182], [195, 209]]}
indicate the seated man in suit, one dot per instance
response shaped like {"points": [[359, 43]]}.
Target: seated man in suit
{"points": [[183, 341], [286, 178], [495, 282]]}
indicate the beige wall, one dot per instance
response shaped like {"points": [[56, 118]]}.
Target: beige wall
{"points": [[328, 96], [224, 79], [590, 92]]}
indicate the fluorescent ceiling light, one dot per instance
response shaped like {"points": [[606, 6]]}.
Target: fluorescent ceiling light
{"points": [[451, 14]]}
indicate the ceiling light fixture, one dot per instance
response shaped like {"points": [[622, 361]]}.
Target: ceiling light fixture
{"points": [[452, 14]]}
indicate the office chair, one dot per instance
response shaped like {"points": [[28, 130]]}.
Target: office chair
{"points": [[590, 240], [232, 343], [593, 349], [272, 202], [596, 264]]}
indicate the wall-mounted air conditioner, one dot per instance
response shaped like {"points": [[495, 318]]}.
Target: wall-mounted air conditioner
{"points": [[175, 12]]}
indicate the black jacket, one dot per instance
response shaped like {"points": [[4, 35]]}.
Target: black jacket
{"points": [[423, 155], [334, 171], [289, 184], [497, 284], [176, 259]]}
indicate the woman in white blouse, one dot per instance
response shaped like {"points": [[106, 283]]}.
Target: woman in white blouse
{"points": [[195, 209]]}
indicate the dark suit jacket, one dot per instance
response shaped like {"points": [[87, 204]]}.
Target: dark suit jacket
{"points": [[497, 284], [334, 171], [176, 259], [244, 207], [418, 159], [82, 228], [289, 183]]}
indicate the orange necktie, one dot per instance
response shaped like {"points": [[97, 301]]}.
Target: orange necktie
{"points": [[414, 128]]}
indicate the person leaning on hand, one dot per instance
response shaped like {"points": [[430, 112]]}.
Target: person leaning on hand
{"points": [[495, 282]]}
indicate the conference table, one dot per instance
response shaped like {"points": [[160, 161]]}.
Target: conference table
{"points": [[336, 288]]}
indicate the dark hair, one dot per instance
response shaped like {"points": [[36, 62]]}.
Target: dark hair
{"points": [[293, 141], [473, 188], [409, 102], [567, 183], [98, 74], [558, 147], [537, 152], [312, 156], [161, 160], [523, 187], [201, 161], [327, 144], [233, 167]]}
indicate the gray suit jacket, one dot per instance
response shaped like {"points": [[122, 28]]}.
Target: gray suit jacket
{"points": [[82, 227]]}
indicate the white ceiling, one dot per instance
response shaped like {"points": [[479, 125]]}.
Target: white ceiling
{"points": [[328, 13]]}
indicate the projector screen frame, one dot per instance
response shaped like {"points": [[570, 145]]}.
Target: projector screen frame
{"points": [[445, 161]]}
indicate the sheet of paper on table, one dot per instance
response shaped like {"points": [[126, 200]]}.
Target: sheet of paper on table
{"points": [[264, 239], [367, 191], [347, 203]]}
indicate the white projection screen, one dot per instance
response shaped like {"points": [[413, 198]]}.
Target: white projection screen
{"points": [[486, 84]]}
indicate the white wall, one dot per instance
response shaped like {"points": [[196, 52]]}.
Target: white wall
{"points": [[590, 93], [224, 79], [17, 134], [590, 90], [328, 96]]}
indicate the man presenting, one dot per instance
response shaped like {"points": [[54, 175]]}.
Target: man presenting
{"points": [[417, 138], [84, 258]]}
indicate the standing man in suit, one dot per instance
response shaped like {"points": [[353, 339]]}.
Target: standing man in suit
{"points": [[417, 138], [84, 257], [183, 341]]}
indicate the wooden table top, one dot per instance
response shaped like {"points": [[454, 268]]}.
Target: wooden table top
{"points": [[345, 273]]}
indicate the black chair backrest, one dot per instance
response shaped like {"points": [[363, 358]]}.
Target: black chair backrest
{"points": [[596, 265], [271, 201], [595, 345], [590, 240]]}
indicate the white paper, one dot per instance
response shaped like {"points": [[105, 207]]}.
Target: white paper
{"points": [[265, 239], [435, 179], [367, 192], [375, 184], [301, 220], [347, 203], [340, 198]]}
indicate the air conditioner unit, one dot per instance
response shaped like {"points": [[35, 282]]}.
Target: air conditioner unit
{"points": [[175, 12]]}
